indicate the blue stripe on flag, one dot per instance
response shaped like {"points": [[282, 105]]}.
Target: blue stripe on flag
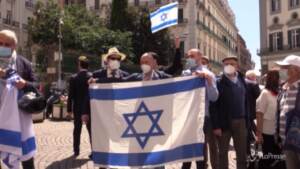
{"points": [[28, 146], [10, 138], [163, 25], [153, 158], [147, 91], [163, 9]]}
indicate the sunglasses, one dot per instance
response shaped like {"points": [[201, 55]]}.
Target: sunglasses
{"points": [[114, 58]]}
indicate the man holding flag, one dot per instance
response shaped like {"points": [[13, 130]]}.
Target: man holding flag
{"points": [[194, 67]]}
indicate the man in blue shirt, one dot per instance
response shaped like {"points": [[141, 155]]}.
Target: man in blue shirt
{"points": [[194, 67]]}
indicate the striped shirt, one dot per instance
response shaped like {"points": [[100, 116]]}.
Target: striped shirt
{"points": [[287, 103]]}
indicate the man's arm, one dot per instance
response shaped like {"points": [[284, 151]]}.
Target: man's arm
{"points": [[212, 90], [176, 65], [70, 95]]}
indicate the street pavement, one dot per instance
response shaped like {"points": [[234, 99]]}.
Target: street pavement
{"points": [[54, 141]]}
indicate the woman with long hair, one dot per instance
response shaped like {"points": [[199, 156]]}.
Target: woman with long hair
{"points": [[266, 106]]}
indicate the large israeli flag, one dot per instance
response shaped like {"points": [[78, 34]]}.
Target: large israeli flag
{"points": [[164, 17], [147, 124]]}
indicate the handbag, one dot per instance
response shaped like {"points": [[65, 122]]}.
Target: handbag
{"points": [[32, 101], [292, 141]]}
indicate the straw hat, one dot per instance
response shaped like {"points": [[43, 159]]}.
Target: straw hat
{"points": [[114, 51]]}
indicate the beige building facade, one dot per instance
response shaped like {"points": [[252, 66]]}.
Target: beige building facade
{"points": [[205, 24], [14, 15], [279, 31]]}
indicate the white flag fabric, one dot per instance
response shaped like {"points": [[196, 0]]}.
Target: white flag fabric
{"points": [[17, 140], [164, 17], [147, 124]]}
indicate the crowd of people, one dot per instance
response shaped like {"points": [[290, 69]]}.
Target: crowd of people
{"points": [[236, 107]]}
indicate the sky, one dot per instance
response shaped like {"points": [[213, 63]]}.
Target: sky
{"points": [[247, 21]]}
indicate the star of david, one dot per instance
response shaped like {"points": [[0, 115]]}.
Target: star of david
{"points": [[164, 16], [143, 137]]}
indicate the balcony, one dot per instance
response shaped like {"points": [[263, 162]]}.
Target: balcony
{"points": [[15, 24], [6, 21], [29, 4], [202, 26], [285, 49], [25, 26], [182, 3], [182, 21]]}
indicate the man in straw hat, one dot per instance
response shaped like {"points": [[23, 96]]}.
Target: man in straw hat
{"points": [[112, 72]]}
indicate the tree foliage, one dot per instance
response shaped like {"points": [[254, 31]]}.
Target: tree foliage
{"points": [[81, 30], [144, 40], [119, 16]]}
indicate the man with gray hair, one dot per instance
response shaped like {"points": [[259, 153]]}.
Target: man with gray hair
{"points": [[288, 113], [194, 66], [12, 62]]}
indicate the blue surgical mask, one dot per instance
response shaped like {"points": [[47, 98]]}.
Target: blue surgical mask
{"points": [[5, 52], [190, 63]]}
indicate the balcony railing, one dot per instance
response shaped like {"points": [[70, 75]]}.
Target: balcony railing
{"points": [[6, 21], [286, 48], [15, 23], [183, 21], [29, 4], [202, 26], [24, 26]]}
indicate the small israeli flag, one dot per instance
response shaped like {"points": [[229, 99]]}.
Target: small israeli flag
{"points": [[164, 17]]}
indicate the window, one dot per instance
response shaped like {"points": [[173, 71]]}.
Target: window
{"points": [[294, 38], [8, 17], [276, 20], [275, 41], [97, 4], [275, 5], [180, 15], [295, 15], [181, 47], [294, 3], [136, 2]]}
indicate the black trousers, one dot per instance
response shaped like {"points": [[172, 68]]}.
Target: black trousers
{"points": [[29, 164], [77, 132], [199, 164], [269, 147]]}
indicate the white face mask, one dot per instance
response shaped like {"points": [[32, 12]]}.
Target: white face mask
{"points": [[205, 66], [5, 51], [283, 74], [146, 68], [190, 63], [229, 70], [114, 64]]}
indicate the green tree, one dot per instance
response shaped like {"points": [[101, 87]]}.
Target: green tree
{"points": [[144, 40], [82, 31], [119, 15]]}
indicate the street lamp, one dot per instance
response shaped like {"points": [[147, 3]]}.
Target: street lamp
{"points": [[59, 82]]}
